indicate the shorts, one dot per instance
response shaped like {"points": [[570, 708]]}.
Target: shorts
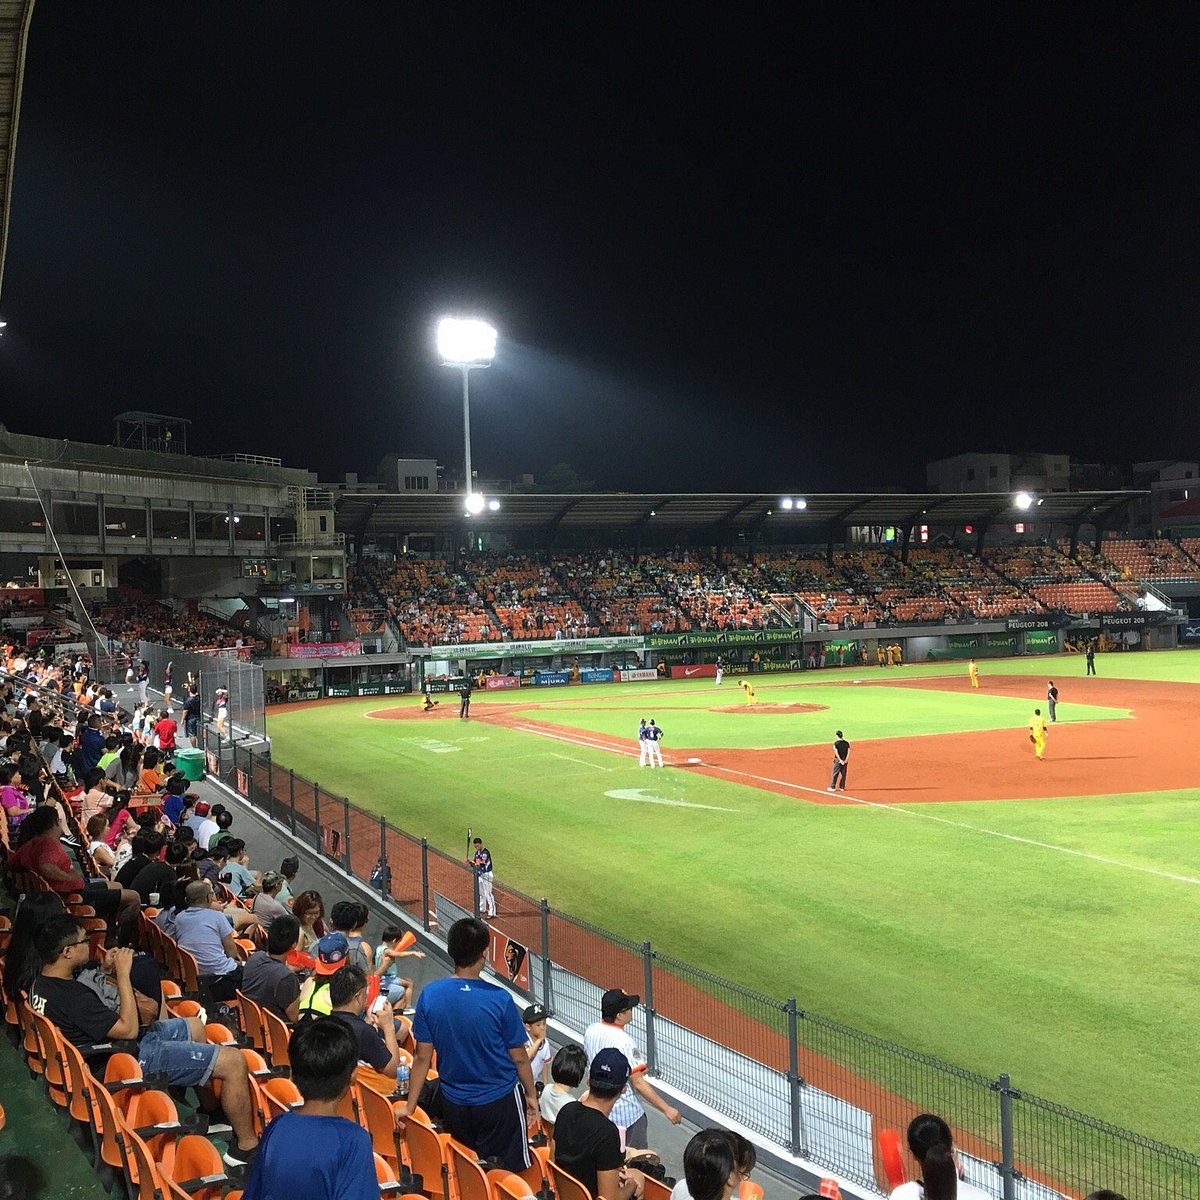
{"points": [[102, 898], [493, 1130], [167, 1049]]}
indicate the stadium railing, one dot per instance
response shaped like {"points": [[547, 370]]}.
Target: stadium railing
{"points": [[816, 1088]]}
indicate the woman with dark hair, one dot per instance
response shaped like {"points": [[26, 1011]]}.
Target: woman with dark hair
{"points": [[309, 909], [18, 804], [929, 1137], [126, 769], [940, 1174], [97, 847], [39, 850], [96, 796], [22, 963], [715, 1163]]}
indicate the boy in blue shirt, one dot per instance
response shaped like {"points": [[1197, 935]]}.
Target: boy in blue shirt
{"points": [[311, 1151]]}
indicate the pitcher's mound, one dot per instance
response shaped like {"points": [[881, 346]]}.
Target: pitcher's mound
{"points": [[767, 707]]}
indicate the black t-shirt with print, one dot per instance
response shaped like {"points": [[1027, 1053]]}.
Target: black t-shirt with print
{"points": [[77, 1010], [585, 1143]]}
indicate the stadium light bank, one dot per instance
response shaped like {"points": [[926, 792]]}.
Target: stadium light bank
{"points": [[1025, 501], [468, 344]]}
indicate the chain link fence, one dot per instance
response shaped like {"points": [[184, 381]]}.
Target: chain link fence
{"points": [[817, 1088], [243, 681]]}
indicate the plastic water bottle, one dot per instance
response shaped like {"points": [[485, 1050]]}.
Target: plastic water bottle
{"points": [[402, 1080]]}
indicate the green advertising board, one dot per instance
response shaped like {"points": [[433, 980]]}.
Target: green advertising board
{"points": [[722, 637], [1040, 641], [369, 689]]}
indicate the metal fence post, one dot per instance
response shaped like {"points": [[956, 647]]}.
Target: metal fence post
{"points": [[1008, 1170], [317, 813], [385, 882], [648, 1005], [545, 910], [346, 834], [292, 799], [425, 883], [794, 1081], [270, 787]]}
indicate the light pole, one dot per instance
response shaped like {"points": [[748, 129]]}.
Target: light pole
{"points": [[467, 344]]}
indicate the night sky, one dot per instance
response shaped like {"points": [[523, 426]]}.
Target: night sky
{"points": [[753, 246]]}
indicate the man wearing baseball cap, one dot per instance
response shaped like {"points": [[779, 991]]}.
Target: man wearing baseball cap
{"points": [[616, 1012], [587, 1143]]}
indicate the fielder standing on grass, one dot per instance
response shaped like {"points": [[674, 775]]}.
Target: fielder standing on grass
{"points": [[841, 758], [643, 747], [482, 862], [1052, 699], [720, 670]]}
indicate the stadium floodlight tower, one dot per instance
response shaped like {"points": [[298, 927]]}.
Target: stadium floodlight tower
{"points": [[467, 344]]}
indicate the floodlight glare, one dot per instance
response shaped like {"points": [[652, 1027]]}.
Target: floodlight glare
{"points": [[463, 343], [786, 502], [493, 505], [1023, 500], [475, 503], [802, 504]]}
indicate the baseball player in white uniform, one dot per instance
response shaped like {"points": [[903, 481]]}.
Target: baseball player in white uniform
{"points": [[720, 670], [643, 745]]}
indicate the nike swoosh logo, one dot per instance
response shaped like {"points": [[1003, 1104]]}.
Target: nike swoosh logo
{"points": [[688, 671]]}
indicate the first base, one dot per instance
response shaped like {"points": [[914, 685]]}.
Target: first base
{"points": [[693, 760]]}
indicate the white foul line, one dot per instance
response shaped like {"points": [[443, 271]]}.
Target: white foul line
{"points": [[580, 761], [899, 810], [1008, 837]]}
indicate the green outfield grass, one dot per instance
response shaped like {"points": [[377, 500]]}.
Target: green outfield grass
{"points": [[1067, 963]]}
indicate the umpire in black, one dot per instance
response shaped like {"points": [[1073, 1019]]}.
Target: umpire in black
{"points": [[841, 756], [464, 697]]}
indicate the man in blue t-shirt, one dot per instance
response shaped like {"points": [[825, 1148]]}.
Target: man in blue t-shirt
{"points": [[311, 1151], [487, 1086]]}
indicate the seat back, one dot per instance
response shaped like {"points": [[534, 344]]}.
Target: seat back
{"points": [[112, 1134], [749, 1190], [657, 1191], [277, 1036], [253, 1024], [375, 1114], [49, 1041], [512, 1187], [566, 1186], [141, 1172], [82, 1105], [427, 1154], [383, 1172], [189, 972], [154, 1108], [466, 1173], [279, 1096], [198, 1168], [891, 1158]]}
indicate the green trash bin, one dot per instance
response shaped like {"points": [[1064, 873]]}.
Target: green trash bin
{"points": [[191, 763]]}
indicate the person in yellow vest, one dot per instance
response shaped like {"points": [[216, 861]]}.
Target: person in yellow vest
{"points": [[748, 688], [899, 655], [973, 672], [880, 655], [1037, 733]]}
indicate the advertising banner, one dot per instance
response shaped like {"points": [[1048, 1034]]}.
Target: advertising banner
{"points": [[509, 959], [699, 671], [1126, 620], [1190, 632], [1014, 624], [445, 685], [637, 675], [1004, 642], [596, 675], [1041, 639], [551, 678], [501, 683], [390, 688], [597, 645], [322, 649], [721, 637]]}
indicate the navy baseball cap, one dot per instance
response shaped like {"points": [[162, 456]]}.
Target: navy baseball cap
{"points": [[332, 951], [536, 1012], [610, 1066]]}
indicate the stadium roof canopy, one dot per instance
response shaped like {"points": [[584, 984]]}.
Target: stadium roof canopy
{"points": [[390, 514], [14, 33]]}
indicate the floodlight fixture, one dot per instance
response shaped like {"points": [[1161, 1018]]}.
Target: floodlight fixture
{"points": [[800, 503], [475, 503], [1023, 500], [466, 342], [786, 502], [493, 505]]}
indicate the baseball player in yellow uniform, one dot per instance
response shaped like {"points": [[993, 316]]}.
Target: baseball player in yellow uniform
{"points": [[973, 672], [748, 688], [1037, 733]]}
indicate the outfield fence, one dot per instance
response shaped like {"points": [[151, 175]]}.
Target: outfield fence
{"points": [[817, 1088]]}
